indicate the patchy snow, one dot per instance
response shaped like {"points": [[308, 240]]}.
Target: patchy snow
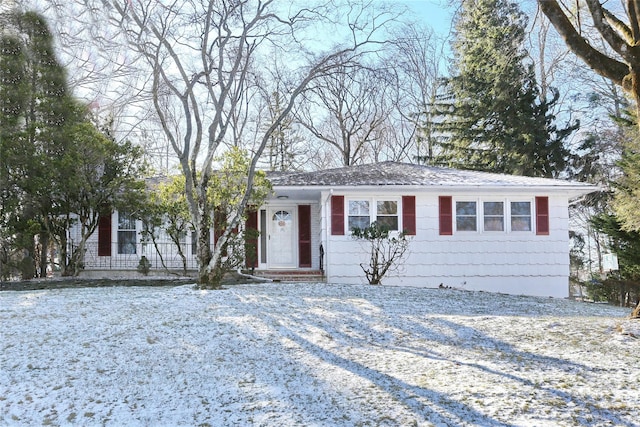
{"points": [[313, 355]]}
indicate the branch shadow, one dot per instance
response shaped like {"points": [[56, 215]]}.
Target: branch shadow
{"points": [[410, 395]]}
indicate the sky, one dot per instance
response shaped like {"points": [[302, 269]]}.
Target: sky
{"points": [[435, 13]]}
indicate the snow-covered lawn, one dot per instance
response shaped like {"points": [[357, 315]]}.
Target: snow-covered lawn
{"points": [[313, 355]]}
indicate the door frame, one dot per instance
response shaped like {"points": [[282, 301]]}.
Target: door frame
{"points": [[271, 210]]}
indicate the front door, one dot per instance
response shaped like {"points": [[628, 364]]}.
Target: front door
{"points": [[281, 253]]}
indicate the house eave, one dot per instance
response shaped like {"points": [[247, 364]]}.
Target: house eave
{"points": [[570, 190]]}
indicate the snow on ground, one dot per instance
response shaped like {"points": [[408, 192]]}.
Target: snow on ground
{"points": [[313, 355]]}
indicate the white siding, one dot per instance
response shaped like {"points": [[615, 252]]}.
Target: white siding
{"points": [[510, 262]]}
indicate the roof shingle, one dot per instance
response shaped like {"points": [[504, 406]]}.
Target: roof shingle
{"points": [[400, 174]]}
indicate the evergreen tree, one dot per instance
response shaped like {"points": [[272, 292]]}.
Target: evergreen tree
{"points": [[622, 288], [493, 118], [627, 186], [56, 167], [12, 138], [36, 114]]}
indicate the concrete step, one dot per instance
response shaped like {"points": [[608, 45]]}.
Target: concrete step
{"points": [[314, 276]]}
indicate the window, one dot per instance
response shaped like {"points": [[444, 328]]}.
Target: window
{"points": [[387, 214], [359, 216], [504, 216], [281, 218], [126, 234], [466, 216], [520, 216], [493, 216]]}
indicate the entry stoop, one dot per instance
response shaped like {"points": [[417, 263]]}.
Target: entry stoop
{"points": [[313, 276]]}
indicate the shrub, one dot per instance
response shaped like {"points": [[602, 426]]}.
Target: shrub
{"points": [[387, 248]]}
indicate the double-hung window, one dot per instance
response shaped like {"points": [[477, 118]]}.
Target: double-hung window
{"points": [[387, 214], [126, 233], [466, 216], [520, 216], [490, 216], [359, 214], [493, 216], [362, 213]]}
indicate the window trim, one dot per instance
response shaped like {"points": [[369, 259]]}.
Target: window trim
{"points": [[120, 246], [531, 214], [480, 214], [373, 209], [348, 214], [504, 216], [455, 214]]}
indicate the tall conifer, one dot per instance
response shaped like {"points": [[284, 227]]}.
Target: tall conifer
{"points": [[493, 118]]}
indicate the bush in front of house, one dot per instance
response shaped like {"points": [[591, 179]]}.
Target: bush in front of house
{"points": [[386, 249]]}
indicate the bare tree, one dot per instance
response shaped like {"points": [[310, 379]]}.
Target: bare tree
{"points": [[206, 83], [417, 56], [283, 152], [346, 110], [617, 58]]}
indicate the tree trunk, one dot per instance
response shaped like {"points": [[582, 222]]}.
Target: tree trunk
{"points": [[78, 257], [44, 252], [204, 243], [65, 257], [204, 254], [635, 90]]}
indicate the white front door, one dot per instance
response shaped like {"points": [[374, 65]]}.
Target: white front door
{"points": [[280, 253]]}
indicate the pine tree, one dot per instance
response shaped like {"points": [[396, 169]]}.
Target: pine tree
{"points": [[56, 167], [493, 118], [12, 91], [36, 113]]}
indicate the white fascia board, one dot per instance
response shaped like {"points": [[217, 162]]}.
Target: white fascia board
{"points": [[571, 191]]}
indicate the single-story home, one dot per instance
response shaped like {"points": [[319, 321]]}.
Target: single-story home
{"points": [[468, 230]]}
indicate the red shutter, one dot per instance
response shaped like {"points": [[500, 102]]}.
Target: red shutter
{"points": [[446, 215], [104, 235], [337, 215], [409, 215], [542, 216], [251, 242], [304, 236]]}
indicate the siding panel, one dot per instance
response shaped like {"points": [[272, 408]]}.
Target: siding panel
{"points": [[510, 262]]}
